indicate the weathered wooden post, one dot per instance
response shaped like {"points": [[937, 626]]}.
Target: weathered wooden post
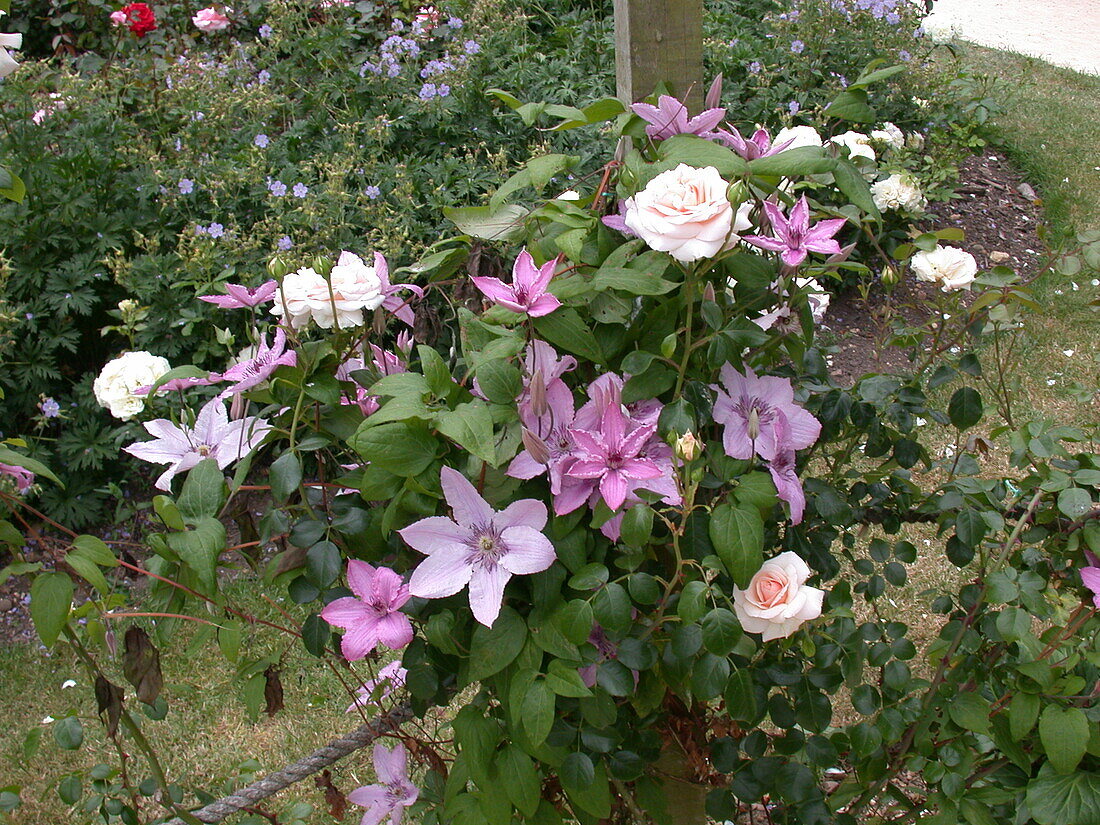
{"points": [[659, 40], [662, 40]]}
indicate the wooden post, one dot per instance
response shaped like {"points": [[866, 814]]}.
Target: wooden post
{"points": [[659, 40]]}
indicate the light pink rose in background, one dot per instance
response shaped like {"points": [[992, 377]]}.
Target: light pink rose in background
{"points": [[118, 18], [777, 600], [684, 212], [356, 282], [210, 20]]}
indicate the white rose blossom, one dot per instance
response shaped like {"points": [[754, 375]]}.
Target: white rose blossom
{"points": [[686, 213], [305, 295], [777, 600], [890, 135], [950, 267], [857, 143], [8, 40], [899, 191], [115, 385], [799, 136]]}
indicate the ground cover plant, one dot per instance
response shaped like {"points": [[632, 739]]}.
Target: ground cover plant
{"points": [[679, 534]]}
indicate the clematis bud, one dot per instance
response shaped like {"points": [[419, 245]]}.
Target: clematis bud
{"points": [[536, 447], [538, 394], [405, 344], [890, 276], [753, 424], [708, 292], [687, 447], [714, 93], [278, 267]]}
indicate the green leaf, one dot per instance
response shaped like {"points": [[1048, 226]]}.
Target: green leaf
{"points": [[577, 771], [323, 563], [168, 512], [631, 280], [1074, 502], [1064, 733], [1023, 712], [520, 778], [969, 711], [693, 601], [697, 152], [285, 475], [869, 77], [403, 449], [538, 711], [1055, 799], [89, 571], [804, 160], [721, 631], [470, 425], [594, 799], [738, 538], [51, 600], [94, 550], [493, 648], [500, 381], [315, 634], [851, 104], [851, 182], [566, 329], [739, 696], [200, 547], [68, 733], [15, 190], [564, 680], [637, 525], [504, 224], [970, 527], [965, 408], [203, 491], [574, 620]]}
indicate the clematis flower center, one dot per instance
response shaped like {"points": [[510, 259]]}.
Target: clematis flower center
{"points": [[486, 548], [205, 449]]}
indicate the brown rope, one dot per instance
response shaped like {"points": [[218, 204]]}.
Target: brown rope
{"points": [[321, 758]]}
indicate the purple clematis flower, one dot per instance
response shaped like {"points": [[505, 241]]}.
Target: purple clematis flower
{"points": [[239, 297], [24, 478], [760, 415], [248, 374], [393, 793], [393, 303], [785, 474], [610, 455], [670, 117], [527, 293], [757, 146], [1090, 575], [794, 238], [213, 436], [479, 546], [606, 651], [372, 616], [390, 678]]}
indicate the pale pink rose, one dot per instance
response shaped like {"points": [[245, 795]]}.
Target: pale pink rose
{"points": [[118, 18], [210, 20], [684, 212], [777, 600]]}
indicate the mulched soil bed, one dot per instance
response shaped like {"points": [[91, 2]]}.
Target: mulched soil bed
{"points": [[1000, 215], [998, 220]]}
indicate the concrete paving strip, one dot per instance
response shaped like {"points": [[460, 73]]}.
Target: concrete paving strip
{"points": [[1062, 32]]}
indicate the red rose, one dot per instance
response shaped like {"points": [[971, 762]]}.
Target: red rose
{"points": [[139, 18]]}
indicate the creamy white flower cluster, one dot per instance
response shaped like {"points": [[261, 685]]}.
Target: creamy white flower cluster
{"points": [[950, 267], [339, 300], [115, 385]]}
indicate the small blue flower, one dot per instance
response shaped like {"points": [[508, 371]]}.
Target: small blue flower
{"points": [[200, 229], [427, 91], [265, 31], [300, 190], [261, 140], [443, 90], [454, 22], [755, 67], [398, 25], [904, 56], [893, 18], [372, 192], [471, 47], [793, 107], [263, 76], [798, 47], [187, 186], [285, 243], [215, 230], [50, 408], [277, 188]]}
